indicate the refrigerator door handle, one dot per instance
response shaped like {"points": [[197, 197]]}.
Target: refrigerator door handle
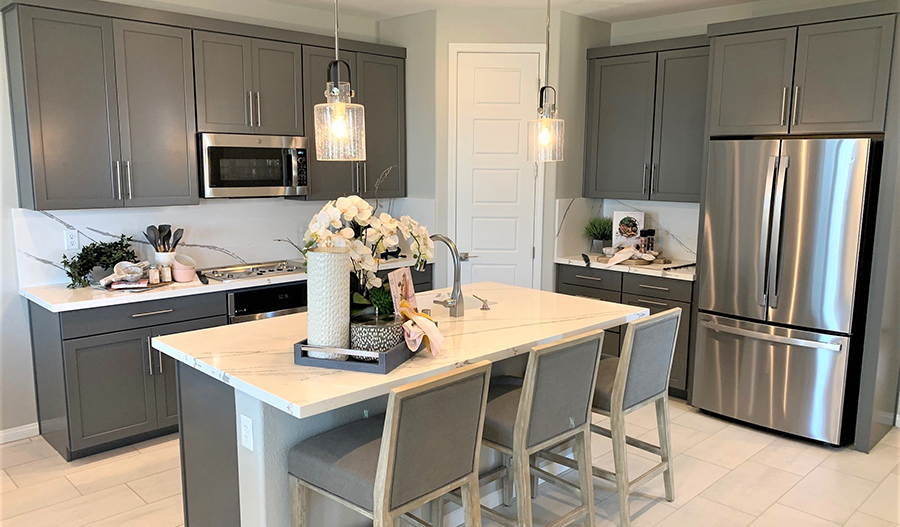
{"points": [[764, 230], [775, 252], [790, 341]]}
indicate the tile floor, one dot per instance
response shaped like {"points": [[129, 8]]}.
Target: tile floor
{"points": [[726, 475]]}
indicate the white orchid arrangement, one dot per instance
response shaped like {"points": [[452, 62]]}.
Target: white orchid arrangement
{"points": [[351, 222]]}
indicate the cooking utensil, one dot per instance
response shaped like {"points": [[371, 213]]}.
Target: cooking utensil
{"points": [[177, 238], [165, 232], [153, 236]]}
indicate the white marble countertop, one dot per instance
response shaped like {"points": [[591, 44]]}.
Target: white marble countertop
{"points": [[654, 269], [58, 298], [257, 357]]}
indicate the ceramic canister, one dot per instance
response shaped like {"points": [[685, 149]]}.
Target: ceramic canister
{"points": [[328, 299]]}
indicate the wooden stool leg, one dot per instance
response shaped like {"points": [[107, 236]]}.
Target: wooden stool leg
{"points": [[299, 503], [585, 475], [665, 445], [617, 427], [471, 498], [521, 463], [534, 480], [506, 482], [437, 512]]}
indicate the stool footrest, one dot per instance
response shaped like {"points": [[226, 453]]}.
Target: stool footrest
{"points": [[643, 445], [556, 480]]}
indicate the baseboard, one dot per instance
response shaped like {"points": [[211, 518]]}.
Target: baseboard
{"points": [[20, 432]]}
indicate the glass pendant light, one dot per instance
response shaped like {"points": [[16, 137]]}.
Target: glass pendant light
{"points": [[340, 123], [546, 134]]}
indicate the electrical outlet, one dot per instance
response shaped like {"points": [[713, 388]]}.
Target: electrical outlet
{"points": [[71, 240], [247, 432]]}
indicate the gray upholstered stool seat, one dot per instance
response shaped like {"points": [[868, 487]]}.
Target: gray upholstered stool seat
{"points": [[342, 461], [606, 375], [502, 407]]}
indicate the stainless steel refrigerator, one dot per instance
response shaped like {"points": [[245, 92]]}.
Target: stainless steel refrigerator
{"points": [[780, 262]]}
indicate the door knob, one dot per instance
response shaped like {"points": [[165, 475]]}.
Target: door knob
{"points": [[464, 257]]}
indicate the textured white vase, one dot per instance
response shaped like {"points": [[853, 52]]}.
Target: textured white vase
{"points": [[328, 300]]}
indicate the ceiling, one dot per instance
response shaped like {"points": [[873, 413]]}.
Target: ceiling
{"points": [[606, 10]]}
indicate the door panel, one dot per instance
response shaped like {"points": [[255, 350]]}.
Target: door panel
{"points": [[381, 85], [327, 179], [155, 78], [224, 82], [278, 81], [620, 130], [495, 183], [109, 388], [752, 79], [736, 223], [679, 132], [73, 120], [165, 375], [821, 227], [789, 380], [678, 376], [843, 70]]}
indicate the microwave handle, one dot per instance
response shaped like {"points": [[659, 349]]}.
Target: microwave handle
{"points": [[295, 174]]}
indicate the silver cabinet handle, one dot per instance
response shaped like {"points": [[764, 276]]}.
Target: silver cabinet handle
{"points": [[250, 99], [784, 92], [644, 179], [594, 278], [149, 356], [258, 111], [118, 180], [128, 178], [365, 177], [656, 287], [790, 341], [652, 303], [764, 232], [775, 243], [151, 313], [654, 176], [796, 111], [159, 357]]}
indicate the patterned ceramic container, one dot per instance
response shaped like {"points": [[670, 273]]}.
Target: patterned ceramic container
{"points": [[371, 333]]}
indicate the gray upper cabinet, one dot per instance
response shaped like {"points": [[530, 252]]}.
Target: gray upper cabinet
{"points": [[330, 179], [619, 136], [381, 88], [63, 85], [155, 81], [278, 88], [109, 392], [752, 79], [842, 76], [222, 64], [678, 137]]}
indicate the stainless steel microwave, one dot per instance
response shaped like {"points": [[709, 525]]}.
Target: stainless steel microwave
{"points": [[253, 166]]}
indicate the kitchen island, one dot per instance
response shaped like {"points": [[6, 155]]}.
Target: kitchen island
{"points": [[244, 403]]}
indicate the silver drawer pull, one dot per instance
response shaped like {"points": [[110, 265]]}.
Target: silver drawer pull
{"points": [[656, 287], [151, 313], [652, 303], [149, 356], [594, 278], [789, 341]]}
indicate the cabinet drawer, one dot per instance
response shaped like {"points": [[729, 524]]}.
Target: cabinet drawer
{"points": [[678, 377], [141, 314], [590, 277], [665, 288], [589, 292]]}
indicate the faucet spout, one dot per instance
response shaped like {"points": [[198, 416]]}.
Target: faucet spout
{"points": [[455, 302]]}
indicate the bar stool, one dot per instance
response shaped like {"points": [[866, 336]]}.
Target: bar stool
{"points": [[550, 406], [383, 467]]}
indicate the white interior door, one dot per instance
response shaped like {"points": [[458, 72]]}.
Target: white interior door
{"points": [[495, 184]]}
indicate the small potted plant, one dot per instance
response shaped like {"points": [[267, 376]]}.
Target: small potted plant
{"points": [[97, 256], [600, 232]]}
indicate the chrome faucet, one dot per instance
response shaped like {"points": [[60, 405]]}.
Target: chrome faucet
{"points": [[455, 302]]}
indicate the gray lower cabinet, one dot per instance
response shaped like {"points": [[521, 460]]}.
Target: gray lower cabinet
{"points": [[678, 377], [224, 82], [381, 88], [619, 136], [752, 78]]}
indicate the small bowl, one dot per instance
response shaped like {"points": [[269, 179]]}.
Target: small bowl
{"points": [[610, 251], [183, 275], [184, 262], [128, 271], [164, 258]]}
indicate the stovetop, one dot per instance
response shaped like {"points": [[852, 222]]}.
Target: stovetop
{"points": [[239, 272]]}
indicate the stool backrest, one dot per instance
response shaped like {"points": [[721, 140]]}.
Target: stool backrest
{"points": [[645, 362], [432, 435], [558, 388]]}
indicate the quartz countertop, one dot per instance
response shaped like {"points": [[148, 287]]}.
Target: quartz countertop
{"points": [[653, 269], [257, 358]]}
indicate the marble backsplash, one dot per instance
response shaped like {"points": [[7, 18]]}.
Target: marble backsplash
{"points": [[216, 232]]}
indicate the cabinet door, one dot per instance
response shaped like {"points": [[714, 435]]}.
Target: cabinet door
{"points": [[109, 387], [620, 127], [678, 377], [155, 80], [327, 179], [843, 70], [222, 65], [752, 79], [166, 380], [381, 88], [679, 133], [278, 87], [69, 72]]}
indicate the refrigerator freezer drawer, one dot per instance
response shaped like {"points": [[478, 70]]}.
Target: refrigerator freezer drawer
{"points": [[787, 380]]}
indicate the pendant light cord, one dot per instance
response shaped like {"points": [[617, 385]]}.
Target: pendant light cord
{"points": [[336, 29], [547, 56]]}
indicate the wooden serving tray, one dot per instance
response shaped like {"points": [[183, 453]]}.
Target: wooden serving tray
{"points": [[385, 362], [630, 262]]}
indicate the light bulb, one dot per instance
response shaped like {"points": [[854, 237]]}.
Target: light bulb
{"points": [[544, 136], [339, 128]]}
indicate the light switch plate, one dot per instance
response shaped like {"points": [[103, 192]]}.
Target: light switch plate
{"points": [[247, 432], [71, 240]]}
